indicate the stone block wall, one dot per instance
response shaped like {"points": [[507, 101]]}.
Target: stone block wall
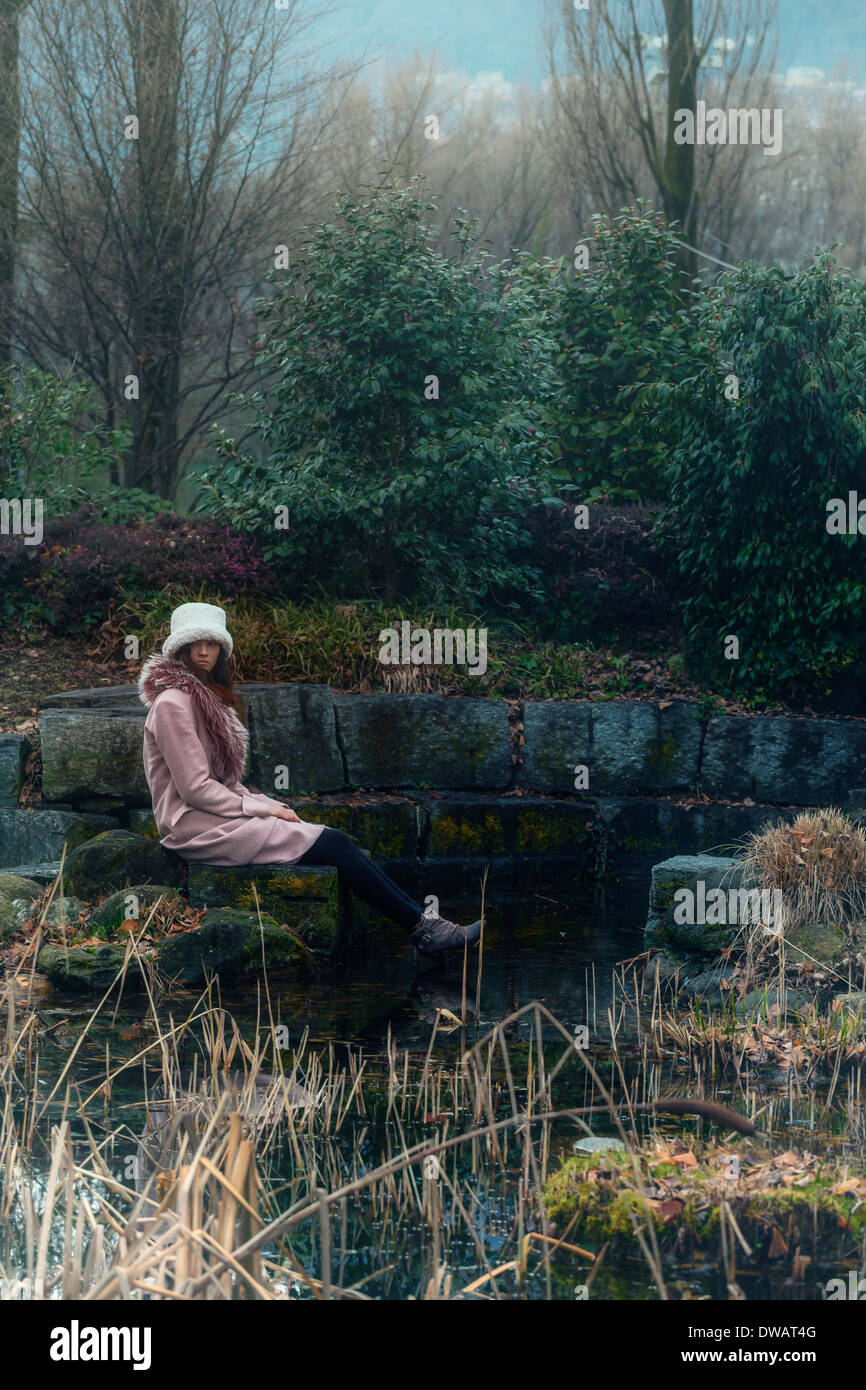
{"points": [[451, 781]]}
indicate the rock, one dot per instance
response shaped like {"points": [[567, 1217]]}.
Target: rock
{"points": [[639, 747], [665, 968], [88, 968], [13, 754], [816, 944], [707, 986], [599, 1144], [626, 745], [760, 1003], [33, 836], [309, 900], [142, 822], [62, 911], [116, 859], [40, 873], [558, 738], [856, 999], [95, 698], [812, 762], [93, 752], [424, 740], [851, 1009], [13, 885], [680, 870], [687, 871], [13, 891], [116, 908], [228, 941], [293, 727]]}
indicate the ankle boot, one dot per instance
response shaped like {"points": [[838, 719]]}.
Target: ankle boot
{"points": [[433, 934]]}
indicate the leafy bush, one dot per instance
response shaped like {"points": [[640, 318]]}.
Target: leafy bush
{"points": [[751, 479], [620, 324], [47, 449], [389, 492], [609, 582]]}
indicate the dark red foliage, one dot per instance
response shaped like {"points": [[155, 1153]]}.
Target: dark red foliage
{"points": [[83, 562], [610, 582]]}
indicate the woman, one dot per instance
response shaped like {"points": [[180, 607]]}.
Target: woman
{"points": [[195, 749]]}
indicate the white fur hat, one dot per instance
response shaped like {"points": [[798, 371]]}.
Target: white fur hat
{"points": [[197, 622]]}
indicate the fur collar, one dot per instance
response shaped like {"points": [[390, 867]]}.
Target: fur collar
{"points": [[225, 731]]}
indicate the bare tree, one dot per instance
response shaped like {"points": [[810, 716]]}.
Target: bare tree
{"points": [[613, 119], [168, 148]]}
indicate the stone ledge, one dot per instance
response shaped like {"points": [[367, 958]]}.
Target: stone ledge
{"points": [[35, 835], [13, 754], [310, 900], [409, 740], [327, 740]]}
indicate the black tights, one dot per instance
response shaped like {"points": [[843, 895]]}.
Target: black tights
{"points": [[365, 878]]}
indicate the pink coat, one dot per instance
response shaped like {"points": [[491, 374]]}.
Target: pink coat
{"points": [[195, 749]]}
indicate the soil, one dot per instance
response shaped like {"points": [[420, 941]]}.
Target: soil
{"points": [[31, 671]]}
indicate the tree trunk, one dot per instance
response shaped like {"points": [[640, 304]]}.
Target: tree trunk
{"points": [[678, 188], [159, 319], [10, 139]]}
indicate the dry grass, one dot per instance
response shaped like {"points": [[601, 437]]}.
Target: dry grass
{"points": [[818, 862], [265, 1185]]}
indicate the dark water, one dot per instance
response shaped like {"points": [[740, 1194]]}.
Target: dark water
{"points": [[544, 945]]}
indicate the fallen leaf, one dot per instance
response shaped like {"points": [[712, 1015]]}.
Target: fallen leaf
{"points": [[778, 1245], [849, 1185]]}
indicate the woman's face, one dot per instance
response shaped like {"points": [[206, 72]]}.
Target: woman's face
{"points": [[204, 654]]}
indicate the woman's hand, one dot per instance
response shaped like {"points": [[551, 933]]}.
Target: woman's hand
{"points": [[286, 813]]}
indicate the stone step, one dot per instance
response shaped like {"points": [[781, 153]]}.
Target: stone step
{"points": [[13, 753], [39, 873], [674, 873], [34, 836], [310, 900]]}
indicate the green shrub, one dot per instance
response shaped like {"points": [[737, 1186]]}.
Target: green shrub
{"points": [[621, 325], [390, 493], [47, 448], [751, 478]]}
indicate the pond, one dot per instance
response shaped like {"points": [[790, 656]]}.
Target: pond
{"points": [[379, 1040]]}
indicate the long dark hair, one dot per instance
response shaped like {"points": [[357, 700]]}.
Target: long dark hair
{"points": [[218, 679]]}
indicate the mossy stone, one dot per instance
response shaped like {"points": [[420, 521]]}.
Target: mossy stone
{"points": [[112, 911], [308, 900], [706, 937], [760, 1003], [816, 944], [63, 911], [227, 942], [13, 891], [117, 859], [142, 822], [88, 968]]}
